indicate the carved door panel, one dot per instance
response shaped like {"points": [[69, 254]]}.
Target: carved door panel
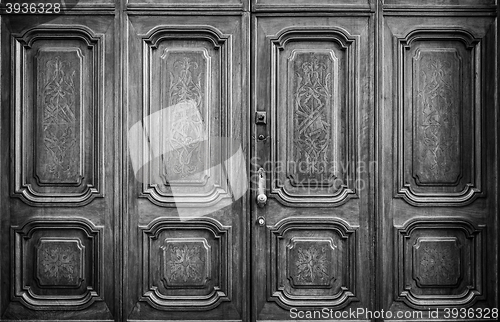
{"points": [[186, 105], [56, 197], [439, 161], [312, 240]]}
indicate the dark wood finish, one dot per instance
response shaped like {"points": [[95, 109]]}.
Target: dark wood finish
{"points": [[314, 250], [130, 156], [57, 189], [438, 187], [186, 110]]}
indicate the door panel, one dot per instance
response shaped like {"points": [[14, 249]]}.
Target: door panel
{"points": [[440, 219], [186, 130], [314, 248], [59, 213]]}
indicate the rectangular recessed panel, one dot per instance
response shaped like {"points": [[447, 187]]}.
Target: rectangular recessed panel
{"points": [[187, 5], [304, 4], [438, 116], [313, 100], [58, 143], [186, 88], [185, 78], [433, 3], [57, 123], [438, 133]]}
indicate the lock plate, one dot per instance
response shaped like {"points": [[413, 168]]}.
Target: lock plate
{"points": [[260, 117]]}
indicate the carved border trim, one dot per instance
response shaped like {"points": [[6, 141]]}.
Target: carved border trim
{"points": [[348, 43], [277, 294], [223, 44], [20, 188], [403, 189], [25, 295], [472, 294], [220, 293]]}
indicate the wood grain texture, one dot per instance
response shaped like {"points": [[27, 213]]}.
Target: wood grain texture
{"points": [[380, 154]]}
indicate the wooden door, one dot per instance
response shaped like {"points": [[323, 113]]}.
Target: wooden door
{"points": [[186, 104], [438, 155], [58, 216], [249, 160], [312, 240]]}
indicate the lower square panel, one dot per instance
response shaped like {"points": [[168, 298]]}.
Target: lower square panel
{"points": [[186, 264], [439, 263], [57, 264], [312, 263]]}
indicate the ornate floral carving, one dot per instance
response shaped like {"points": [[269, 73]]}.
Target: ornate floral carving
{"points": [[185, 132], [312, 265], [184, 264], [438, 120], [59, 120], [312, 255], [59, 263], [439, 263], [179, 272], [311, 99], [437, 135]]}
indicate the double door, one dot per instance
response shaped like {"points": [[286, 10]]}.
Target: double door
{"points": [[240, 161]]}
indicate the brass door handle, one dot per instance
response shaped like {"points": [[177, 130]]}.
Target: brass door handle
{"points": [[261, 189]]}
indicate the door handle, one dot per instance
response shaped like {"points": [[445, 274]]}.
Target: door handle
{"points": [[261, 189]]}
